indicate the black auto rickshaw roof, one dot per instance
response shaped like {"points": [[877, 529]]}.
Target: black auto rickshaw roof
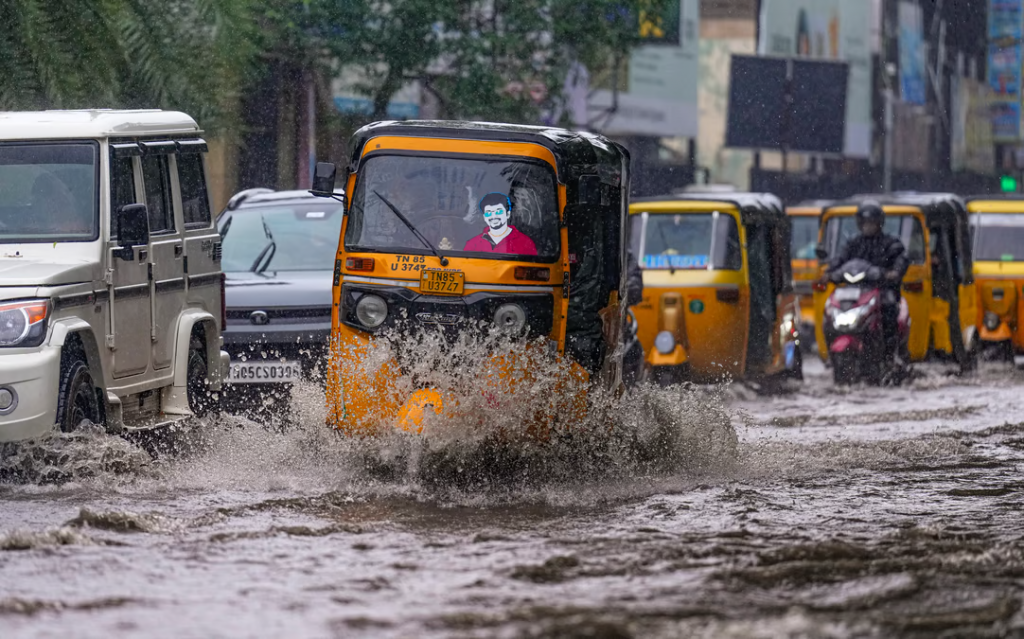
{"points": [[576, 152], [937, 207], [750, 205]]}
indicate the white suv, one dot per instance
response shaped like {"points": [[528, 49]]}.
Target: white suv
{"points": [[111, 293]]}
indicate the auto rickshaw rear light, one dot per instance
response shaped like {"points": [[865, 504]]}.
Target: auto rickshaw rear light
{"points": [[371, 311], [731, 295], [533, 273], [818, 287], [913, 287], [359, 264]]}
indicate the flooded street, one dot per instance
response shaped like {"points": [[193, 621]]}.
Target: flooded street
{"points": [[841, 513]]}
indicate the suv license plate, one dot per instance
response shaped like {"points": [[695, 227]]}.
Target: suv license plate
{"points": [[441, 282], [264, 372]]}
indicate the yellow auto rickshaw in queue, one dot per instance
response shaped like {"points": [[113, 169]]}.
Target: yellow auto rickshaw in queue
{"points": [[997, 226], [939, 284], [459, 228], [718, 297], [804, 218]]}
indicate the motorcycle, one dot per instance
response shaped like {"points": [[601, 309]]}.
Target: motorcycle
{"points": [[853, 326]]}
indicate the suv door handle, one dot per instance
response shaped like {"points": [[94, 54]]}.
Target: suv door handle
{"points": [[177, 250]]}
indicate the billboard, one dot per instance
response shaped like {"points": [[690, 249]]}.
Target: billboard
{"points": [[971, 147], [1004, 67], [912, 53], [838, 30], [658, 96]]}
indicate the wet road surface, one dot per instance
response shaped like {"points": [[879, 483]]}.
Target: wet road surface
{"points": [[840, 513]]}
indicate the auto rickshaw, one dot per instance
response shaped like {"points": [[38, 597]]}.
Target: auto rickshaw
{"points": [[939, 284], [997, 225], [718, 293], [460, 227], [804, 218]]}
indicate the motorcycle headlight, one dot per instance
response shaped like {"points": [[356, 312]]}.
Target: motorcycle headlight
{"points": [[665, 342], [371, 310], [510, 319], [23, 323], [992, 321]]}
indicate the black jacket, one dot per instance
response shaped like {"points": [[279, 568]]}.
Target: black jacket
{"points": [[634, 280], [884, 251]]}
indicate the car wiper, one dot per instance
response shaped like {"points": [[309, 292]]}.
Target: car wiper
{"points": [[268, 251], [419, 236]]}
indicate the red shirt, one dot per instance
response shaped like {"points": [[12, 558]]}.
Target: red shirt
{"points": [[515, 242]]}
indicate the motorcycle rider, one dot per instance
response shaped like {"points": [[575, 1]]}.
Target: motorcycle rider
{"points": [[885, 252]]}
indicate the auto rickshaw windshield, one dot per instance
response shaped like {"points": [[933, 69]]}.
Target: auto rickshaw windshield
{"points": [[490, 208], [998, 237], [686, 241], [842, 228], [804, 238]]}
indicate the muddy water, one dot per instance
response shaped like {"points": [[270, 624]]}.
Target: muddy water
{"points": [[873, 512]]}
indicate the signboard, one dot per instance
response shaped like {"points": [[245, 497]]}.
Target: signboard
{"points": [[971, 147], [1004, 67], [838, 30], [404, 105], [659, 95], [912, 53]]}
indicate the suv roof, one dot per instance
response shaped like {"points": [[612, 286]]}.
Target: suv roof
{"points": [[263, 196], [94, 123]]}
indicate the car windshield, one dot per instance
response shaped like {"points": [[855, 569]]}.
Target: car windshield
{"points": [[686, 241], [998, 237], [281, 237], [805, 237], [478, 208], [48, 192], [841, 229]]}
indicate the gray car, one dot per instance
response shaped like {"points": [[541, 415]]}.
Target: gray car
{"points": [[279, 252]]}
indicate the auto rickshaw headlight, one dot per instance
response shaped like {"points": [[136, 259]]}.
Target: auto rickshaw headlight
{"points": [[371, 310], [665, 342], [992, 321], [510, 319]]}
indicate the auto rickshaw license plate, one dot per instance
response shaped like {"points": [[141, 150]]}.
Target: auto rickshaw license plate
{"points": [[442, 282]]}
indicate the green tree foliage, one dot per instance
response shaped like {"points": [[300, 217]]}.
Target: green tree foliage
{"points": [[185, 54]]}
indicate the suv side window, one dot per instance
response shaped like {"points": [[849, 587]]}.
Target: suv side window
{"points": [[122, 188], [195, 202], [158, 193]]}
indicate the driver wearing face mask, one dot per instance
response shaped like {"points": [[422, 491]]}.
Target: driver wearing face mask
{"points": [[500, 236]]}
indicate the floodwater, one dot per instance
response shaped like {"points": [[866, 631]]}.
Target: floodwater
{"points": [[815, 513]]}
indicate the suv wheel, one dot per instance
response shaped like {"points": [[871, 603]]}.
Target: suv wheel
{"points": [[77, 400], [197, 385]]}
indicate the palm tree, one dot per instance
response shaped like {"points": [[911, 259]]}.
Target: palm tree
{"points": [[185, 54]]}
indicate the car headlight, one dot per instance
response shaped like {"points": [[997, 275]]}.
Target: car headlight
{"points": [[992, 321], [665, 342], [23, 323], [371, 311], [510, 319]]}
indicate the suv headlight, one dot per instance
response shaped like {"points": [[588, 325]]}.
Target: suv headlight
{"points": [[23, 323]]}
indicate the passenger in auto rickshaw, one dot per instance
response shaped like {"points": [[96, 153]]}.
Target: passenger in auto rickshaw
{"points": [[464, 227], [938, 285]]}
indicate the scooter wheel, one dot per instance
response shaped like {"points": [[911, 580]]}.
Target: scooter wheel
{"points": [[844, 369]]}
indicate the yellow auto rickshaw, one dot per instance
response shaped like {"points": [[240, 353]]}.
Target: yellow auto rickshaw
{"points": [[997, 225], [718, 295], [804, 218], [939, 284], [459, 229]]}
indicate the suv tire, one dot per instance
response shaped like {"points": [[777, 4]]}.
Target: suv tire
{"points": [[199, 400], [77, 399]]}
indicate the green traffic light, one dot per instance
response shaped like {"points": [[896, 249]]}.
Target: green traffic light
{"points": [[1008, 183]]}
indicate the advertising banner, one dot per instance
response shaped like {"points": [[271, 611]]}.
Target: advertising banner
{"points": [[912, 53], [971, 147], [1005, 23], [838, 30], [659, 94]]}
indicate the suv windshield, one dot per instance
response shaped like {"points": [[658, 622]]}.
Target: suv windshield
{"points": [[686, 241], [841, 229], [998, 237], [478, 208], [281, 237], [805, 237], [48, 192]]}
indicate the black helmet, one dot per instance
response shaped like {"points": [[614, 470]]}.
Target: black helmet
{"points": [[870, 211]]}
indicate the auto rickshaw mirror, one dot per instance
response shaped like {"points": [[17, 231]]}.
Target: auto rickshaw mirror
{"points": [[323, 179], [820, 252], [590, 190]]}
